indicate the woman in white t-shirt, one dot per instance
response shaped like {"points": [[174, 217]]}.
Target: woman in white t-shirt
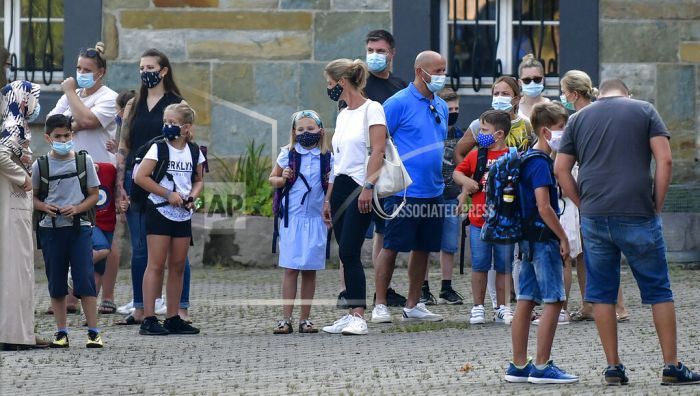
{"points": [[349, 198], [168, 218], [91, 104]]}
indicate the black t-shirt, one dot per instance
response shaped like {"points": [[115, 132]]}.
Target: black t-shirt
{"points": [[380, 89], [147, 124]]}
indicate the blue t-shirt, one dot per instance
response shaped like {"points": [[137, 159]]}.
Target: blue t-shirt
{"points": [[419, 138], [534, 174]]}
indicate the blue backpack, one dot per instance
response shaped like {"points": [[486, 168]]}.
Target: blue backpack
{"points": [[505, 221]]}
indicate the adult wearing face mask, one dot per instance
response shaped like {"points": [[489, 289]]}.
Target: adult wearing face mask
{"points": [[381, 85], [531, 73], [417, 121], [91, 104]]}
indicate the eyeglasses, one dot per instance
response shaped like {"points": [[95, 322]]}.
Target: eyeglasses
{"points": [[528, 80], [435, 113]]}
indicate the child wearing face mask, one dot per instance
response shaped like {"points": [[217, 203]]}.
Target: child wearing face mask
{"points": [[168, 216], [302, 172], [472, 175], [64, 230]]}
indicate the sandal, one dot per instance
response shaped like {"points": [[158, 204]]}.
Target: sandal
{"points": [[578, 316], [283, 327], [71, 309], [625, 317], [128, 321], [307, 327], [107, 307]]}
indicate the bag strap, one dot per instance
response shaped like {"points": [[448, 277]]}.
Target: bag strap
{"points": [[163, 159], [43, 163], [379, 210], [481, 162], [81, 170], [194, 152]]}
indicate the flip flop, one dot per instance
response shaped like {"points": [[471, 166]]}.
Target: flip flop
{"points": [[71, 309], [623, 318], [578, 316], [107, 307], [128, 321]]}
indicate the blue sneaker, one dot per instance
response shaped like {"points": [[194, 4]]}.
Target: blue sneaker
{"points": [[515, 374], [551, 374], [615, 375], [679, 375]]}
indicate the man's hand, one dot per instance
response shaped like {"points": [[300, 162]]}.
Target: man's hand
{"points": [[27, 186]]}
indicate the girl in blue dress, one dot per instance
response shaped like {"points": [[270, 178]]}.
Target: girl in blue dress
{"points": [[303, 168]]}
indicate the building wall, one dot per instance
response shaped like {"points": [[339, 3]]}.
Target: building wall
{"points": [[654, 46], [231, 57]]}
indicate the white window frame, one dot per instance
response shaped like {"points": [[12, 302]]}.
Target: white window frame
{"points": [[15, 47], [504, 52]]}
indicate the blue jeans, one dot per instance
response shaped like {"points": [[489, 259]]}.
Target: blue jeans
{"points": [[641, 240], [542, 277], [450, 227], [483, 253], [136, 219]]}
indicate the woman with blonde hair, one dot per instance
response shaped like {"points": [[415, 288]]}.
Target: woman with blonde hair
{"points": [[531, 79], [577, 90]]}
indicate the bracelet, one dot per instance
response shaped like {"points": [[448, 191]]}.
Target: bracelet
{"points": [[326, 201]]}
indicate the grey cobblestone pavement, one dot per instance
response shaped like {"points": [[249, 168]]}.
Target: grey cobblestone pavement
{"points": [[236, 352]]}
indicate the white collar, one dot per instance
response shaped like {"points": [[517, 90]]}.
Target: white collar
{"points": [[301, 150]]}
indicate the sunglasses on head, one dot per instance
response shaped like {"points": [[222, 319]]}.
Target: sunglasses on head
{"points": [[528, 80], [89, 52], [435, 113]]}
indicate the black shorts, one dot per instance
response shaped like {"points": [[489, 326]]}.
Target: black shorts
{"points": [[157, 224]]}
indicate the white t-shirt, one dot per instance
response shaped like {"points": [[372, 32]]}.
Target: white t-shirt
{"points": [[180, 168], [103, 105], [349, 147]]}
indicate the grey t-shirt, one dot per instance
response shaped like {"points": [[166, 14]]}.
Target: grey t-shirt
{"points": [[610, 140], [63, 192]]}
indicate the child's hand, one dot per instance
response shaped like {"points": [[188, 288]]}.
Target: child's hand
{"points": [[175, 199], [327, 215], [122, 206], [470, 186], [287, 173], [460, 203], [51, 209], [564, 249], [69, 210], [111, 145]]}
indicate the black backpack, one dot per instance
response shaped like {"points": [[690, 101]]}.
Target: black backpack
{"points": [[139, 196], [43, 191]]}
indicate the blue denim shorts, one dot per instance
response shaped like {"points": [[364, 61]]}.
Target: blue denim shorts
{"points": [[63, 247], [484, 253], [641, 240], [450, 227], [542, 276], [417, 227], [101, 240]]}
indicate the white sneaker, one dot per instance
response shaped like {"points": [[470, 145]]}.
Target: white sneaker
{"points": [[161, 308], [563, 319], [381, 314], [419, 313], [503, 315], [126, 309], [338, 326], [478, 315], [357, 326]]}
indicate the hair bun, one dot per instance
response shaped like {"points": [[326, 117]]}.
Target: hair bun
{"points": [[100, 47], [594, 92], [528, 57]]}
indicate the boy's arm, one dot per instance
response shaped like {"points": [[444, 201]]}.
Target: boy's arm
{"points": [[544, 208], [42, 206], [84, 206]]}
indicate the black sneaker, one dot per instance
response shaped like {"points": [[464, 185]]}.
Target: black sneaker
{"points": [[615, 375], [176, 325], [451, 297], [342, 302], [427, 297], [394, 299], [679, 375], [152, 327]]}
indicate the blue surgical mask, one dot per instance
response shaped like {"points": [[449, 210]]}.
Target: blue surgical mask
{"points": [[502, 103], [437, 82], [485, 140], [309, 139], [85, 80], [118, 121], [62, 148], [376, 62], [533, 89], [171, 132], [566, 103], [35, 114]]}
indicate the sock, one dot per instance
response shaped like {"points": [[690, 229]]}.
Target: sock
{"points": [[520, 367], [446, 284], [425, 285], [63, 330], [94, 329], [540, 366]]}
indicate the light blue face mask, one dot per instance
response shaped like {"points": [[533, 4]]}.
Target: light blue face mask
{"points": [[85, 80], [568, 105], [35, 114], [533, 89], [62, 148], [502, 103], [437, 81], [376, 62]]}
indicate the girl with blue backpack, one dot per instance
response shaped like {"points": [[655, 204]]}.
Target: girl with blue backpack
{"points": [[301, 176]]}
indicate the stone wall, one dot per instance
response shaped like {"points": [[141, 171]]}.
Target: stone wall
{"points": [[242, 64], [655, 47]]}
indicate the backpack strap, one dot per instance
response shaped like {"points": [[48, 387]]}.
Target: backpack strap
{"points": [[325, 170], [162, 164], [194, 151], [294, 161], [43, 163], [481, 162]]}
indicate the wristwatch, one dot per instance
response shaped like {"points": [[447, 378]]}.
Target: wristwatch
{"points": [[368, 186]]}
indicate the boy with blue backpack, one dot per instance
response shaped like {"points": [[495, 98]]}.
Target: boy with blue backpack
{"points": [[526, 183]]}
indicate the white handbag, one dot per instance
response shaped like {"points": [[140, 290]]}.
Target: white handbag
{"points": [[393, 177]]}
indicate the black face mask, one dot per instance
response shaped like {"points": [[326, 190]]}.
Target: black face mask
{"points": [[452, 118], [308, 139], [335, 92]]}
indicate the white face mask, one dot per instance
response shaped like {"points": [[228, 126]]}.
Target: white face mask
{"points": [[555, 141]]}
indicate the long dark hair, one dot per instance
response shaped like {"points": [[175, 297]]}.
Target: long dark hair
{"points": [[168, 84]]}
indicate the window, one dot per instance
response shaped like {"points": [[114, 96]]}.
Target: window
{"points": [[484, 39], [33, 33]]}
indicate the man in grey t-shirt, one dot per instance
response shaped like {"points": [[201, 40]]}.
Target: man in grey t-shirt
{"points": [[614, 140]]}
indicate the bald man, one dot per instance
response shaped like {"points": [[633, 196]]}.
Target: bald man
{"points": [[417, 121]]}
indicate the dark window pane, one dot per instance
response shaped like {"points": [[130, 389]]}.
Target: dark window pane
{"points": [[469, 59], [545, 47], [466, 9], [41, 50], [536, 10], [40, 8]]}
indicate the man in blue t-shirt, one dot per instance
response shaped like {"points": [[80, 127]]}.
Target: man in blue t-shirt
{"points": [[417, 121]]}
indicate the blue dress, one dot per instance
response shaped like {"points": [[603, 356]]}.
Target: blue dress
{"points": [[303, 243]]}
